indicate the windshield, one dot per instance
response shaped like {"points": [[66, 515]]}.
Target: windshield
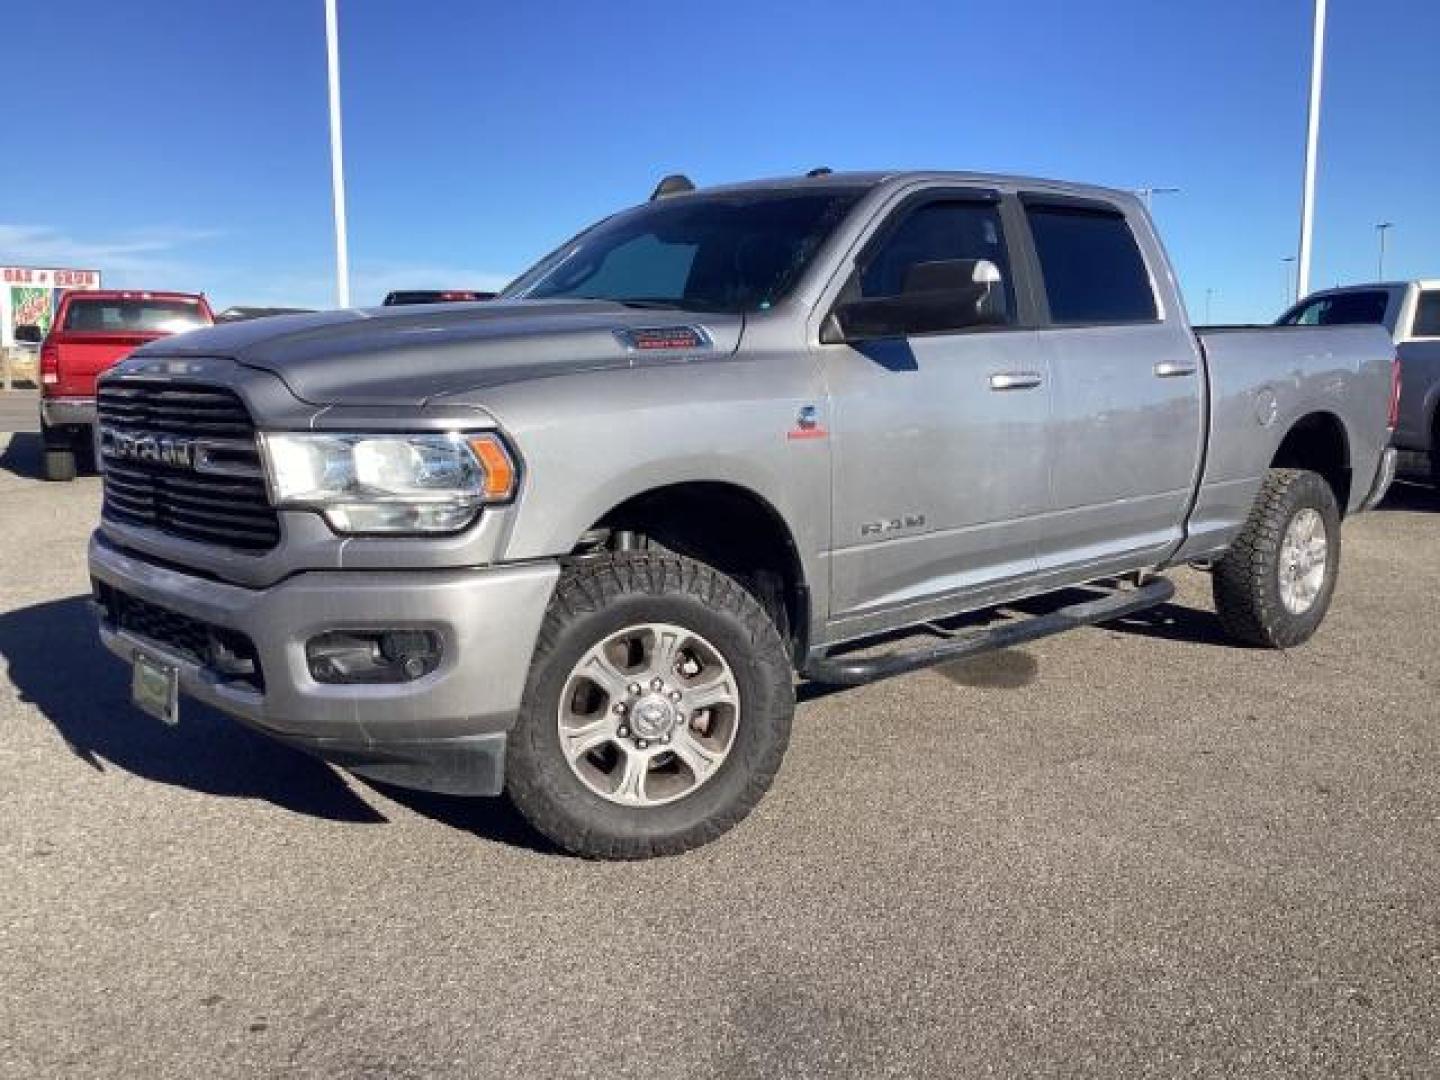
{"points": [[738, 252], [98, 315]]}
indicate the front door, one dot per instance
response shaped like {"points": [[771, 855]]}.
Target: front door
{"points": [[939, 460]]}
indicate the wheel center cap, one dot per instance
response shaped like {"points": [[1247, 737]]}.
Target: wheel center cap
{"points": [[652, 716]]}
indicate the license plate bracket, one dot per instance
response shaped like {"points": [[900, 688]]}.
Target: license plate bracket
{"points": [[155, 688]]}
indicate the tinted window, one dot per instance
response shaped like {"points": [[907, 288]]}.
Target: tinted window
{"points": [[1093, 270], [106, 316], [936, 232], [1427, 314], [734, 252], [1340, 309]]}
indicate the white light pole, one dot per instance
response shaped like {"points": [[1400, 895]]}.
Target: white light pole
{"points": [[1312, 141], [337, 157], [1290, 297], [1382, 228]]}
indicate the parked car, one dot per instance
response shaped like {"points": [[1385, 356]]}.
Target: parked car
{"points": [[1410, 312], [576, 543], [93, 330], [434, 296]]}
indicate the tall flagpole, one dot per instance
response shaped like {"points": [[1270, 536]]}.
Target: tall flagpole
{"points": [[1312, 140], [337, 158]]}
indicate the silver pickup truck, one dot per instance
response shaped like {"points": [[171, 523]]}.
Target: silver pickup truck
{"points": [[1410, 313], [577, 542]]}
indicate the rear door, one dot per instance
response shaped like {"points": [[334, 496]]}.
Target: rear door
{"points": [[1128, 390], [939, 439]]}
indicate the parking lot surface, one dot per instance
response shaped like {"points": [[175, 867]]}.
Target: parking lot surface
{"points": [[1131, 850]]}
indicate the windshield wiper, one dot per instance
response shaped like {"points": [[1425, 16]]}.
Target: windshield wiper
{"points": [[649, 303]]}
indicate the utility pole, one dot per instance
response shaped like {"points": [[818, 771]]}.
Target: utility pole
{"points": [[1382, 228], [337, 157], [1312, 142], [1291, 297], [1149, 193]]}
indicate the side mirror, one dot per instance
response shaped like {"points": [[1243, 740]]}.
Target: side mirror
{"points": [[29, 334], [936, 297]]}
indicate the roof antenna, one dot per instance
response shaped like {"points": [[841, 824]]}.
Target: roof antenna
{"points": [[674, 184], [823, 170]]}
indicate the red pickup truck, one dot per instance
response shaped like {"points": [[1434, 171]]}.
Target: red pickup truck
{"points": [[93, 330]]}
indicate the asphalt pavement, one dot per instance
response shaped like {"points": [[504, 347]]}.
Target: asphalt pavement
{"points": [[1134, 850]]}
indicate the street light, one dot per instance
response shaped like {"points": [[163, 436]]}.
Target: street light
{"points": [[1312, 141], [1290, 297], [1148, 194], [337, 157], [1382, 228]]}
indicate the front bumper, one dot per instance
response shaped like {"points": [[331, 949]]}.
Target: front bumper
{"points": [[444, 731], [1384, 477], [67, 411]]}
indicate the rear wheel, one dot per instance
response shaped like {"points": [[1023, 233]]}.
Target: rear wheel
{"points": [[657, 710], [1274, 585], [59, 463]]}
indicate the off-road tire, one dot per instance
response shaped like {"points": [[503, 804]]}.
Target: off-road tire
{"points": [[601, 596], [1246, 582], [58, 463]]}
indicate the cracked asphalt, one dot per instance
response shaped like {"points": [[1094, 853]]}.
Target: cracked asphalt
{"points": [[1129, 851]]}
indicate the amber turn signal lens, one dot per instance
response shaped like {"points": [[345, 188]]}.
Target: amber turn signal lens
{"points": [[499, 469]]}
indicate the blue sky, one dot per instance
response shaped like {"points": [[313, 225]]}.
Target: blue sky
{"points": [[183, 144]]}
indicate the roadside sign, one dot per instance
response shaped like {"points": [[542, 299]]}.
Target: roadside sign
{"points": [[31, 294]]}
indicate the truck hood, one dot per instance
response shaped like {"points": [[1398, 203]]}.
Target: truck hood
{"points": [[407, 355]]}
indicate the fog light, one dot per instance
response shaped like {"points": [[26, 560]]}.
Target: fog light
{"points": [[372, 656]]}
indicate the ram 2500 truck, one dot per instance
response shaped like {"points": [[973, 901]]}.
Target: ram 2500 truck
{"points": [[576, 543], [1410, 313]]}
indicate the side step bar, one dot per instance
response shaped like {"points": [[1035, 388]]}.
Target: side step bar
{"points": [[858, 670]]}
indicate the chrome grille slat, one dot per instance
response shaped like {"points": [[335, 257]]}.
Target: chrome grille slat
{"points": [[208, 508]]}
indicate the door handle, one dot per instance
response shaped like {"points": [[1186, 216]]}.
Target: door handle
{"points": [[1015, 380], [1168, 369]]}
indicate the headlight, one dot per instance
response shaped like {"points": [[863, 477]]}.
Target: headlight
{"points": [[388, 483]]}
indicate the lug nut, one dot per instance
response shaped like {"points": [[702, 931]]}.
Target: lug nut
{"points": [[665, 740], [657, 684], [641, 743], [635, 688], [675, 695], [623, 731], [620, 707]]}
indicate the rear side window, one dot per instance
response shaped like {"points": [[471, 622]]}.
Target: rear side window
{"points": [[1427, 314], [105, 316], [1341, 309], [1092, 267]]}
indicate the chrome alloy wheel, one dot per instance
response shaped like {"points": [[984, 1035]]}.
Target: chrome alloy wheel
{"points": [[648, 715], [1304, 552]]}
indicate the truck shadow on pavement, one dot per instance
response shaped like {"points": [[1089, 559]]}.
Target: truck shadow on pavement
{"points": [[57, 664], [1412, 495], [21, 456]]}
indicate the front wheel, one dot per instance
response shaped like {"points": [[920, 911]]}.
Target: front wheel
{"points": [[1274, 585], [657, 709]]}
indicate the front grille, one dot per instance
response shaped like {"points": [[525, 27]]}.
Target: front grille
{"points": [[228, 653], [230, 508]]}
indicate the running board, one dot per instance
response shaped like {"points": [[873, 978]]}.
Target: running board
{"points": [[858, 670]]}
